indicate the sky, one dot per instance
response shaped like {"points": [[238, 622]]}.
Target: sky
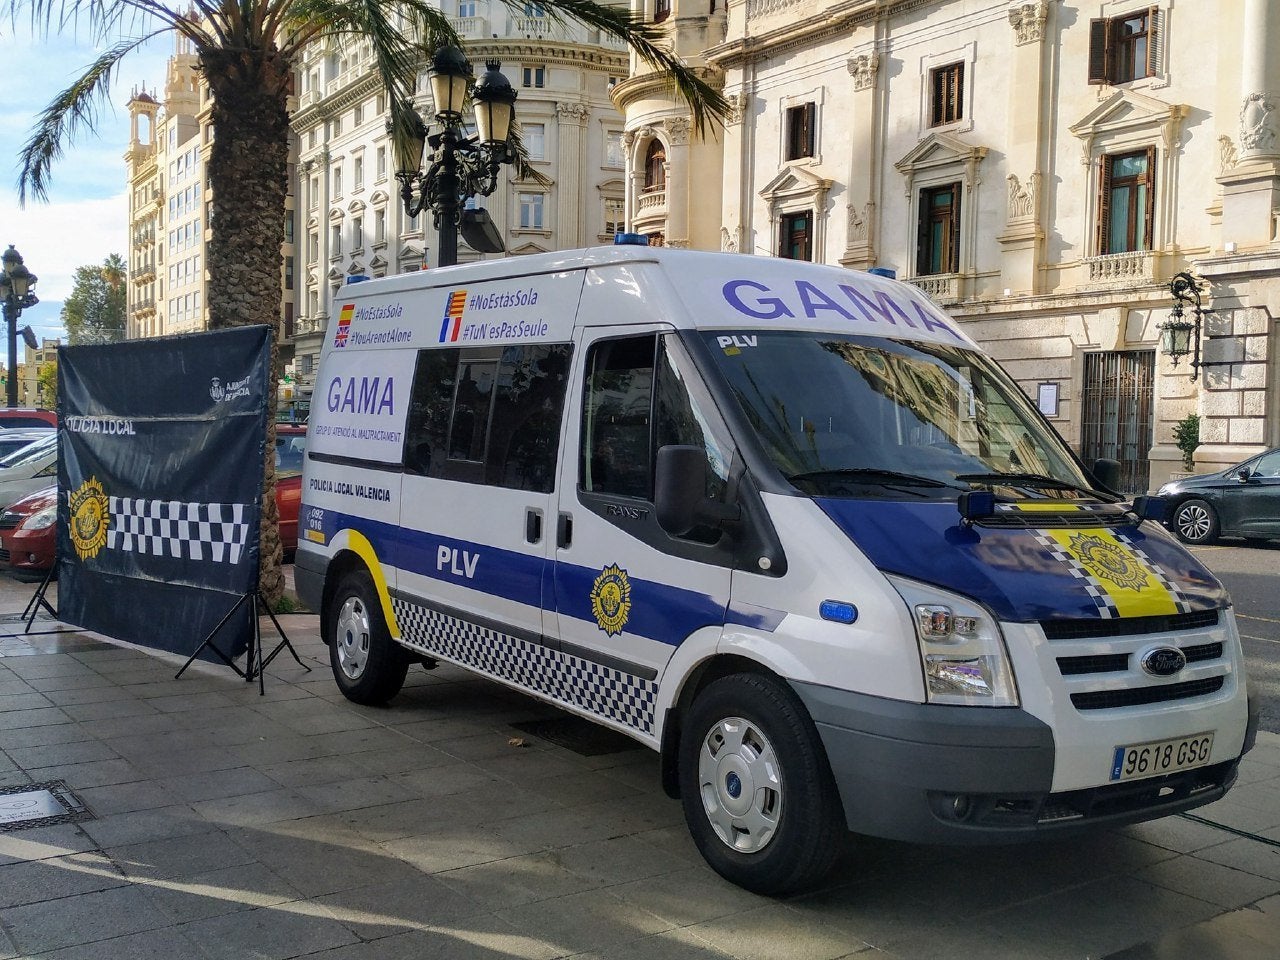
{"points": [[85, 218]]}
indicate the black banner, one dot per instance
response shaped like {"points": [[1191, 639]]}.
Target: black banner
{"points": [[160, 485]]}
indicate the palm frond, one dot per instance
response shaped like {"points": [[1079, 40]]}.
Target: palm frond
{"points": [[72, 109]]}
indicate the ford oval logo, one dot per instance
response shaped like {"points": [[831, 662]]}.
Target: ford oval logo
{"points": [[1163, 661]]}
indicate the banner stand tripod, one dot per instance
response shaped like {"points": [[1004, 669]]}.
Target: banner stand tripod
{"points": [[257, 603], [37, 603]]}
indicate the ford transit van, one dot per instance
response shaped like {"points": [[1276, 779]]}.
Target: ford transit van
{"points": [[785, 524]]}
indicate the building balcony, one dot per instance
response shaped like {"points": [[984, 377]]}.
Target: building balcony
{"points": [[542, 27], [653, 200], [939, 287], [1136, 266], [470, 27]]}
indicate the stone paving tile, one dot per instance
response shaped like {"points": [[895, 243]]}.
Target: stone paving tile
{"points": [[95, 773], [183, 857], [32, 881], [517, 880], [168, 944], [137, 826], [216, 784], [78, 751], [315, 771], [776, 932], [1260, 859], [358, 794], [220, 892], [688, 896], [268, 933], [44, 735], [669, 945], [593, 920], [44, 843], [23, 701], [477, 938], [69, 921], [257, 808], [106, 709], [1196, 877], [453, 846], [11, 686], [164, 761], [385, 909], [22, 719], [127, 797], [84, 693]]}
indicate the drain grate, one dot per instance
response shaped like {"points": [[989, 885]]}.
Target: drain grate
{"points": [[583, 737], [40, 805]]}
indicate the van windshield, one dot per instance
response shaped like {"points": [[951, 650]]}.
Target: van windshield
{"points": [[846, 416]]}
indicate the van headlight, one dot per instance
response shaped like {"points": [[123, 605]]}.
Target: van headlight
{"points": [[961, 649]]}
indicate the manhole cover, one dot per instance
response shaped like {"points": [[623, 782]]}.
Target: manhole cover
{"points": [[39, 805], [583, 737]]}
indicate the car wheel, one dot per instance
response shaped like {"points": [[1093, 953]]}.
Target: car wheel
{"points": [[757, 792], [1194, 521], [368, 665]]}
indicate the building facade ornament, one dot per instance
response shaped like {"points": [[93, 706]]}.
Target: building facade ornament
{"points": [[1227, 156], [1022, 197], [863, 69], [574, 113], [729, 239], [859, 220], [739, 104], [1257, 122], [677, 130], [1028, 20]]}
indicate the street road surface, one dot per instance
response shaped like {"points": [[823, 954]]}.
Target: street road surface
{"points": [[1251, 573]]}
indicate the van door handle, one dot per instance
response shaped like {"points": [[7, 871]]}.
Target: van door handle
{"points": [[533, 525], [564, 531]]}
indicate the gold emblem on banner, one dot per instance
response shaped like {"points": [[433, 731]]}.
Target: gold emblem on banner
{"points": [[90, 517], [1108, 561], [611, 599]]}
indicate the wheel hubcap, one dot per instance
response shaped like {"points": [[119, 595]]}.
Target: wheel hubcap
{"points": [[741, 784], [1193, 522], [352, 638]]}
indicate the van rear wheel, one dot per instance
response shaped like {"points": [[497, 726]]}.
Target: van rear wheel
{"points": [[368, 665], [758, 795]]}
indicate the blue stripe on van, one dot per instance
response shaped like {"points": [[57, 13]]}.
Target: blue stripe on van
{"points": [[659, 611]]}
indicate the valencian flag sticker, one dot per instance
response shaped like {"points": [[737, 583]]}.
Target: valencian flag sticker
{"points": [[160, 477]]}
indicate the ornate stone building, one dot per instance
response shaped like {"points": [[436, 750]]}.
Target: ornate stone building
{"points": [[1042, 169], [352, 221]]}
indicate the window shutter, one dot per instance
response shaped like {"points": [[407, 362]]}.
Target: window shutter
{"points": [[1149, 215], [953, 255], [1104, 208], [810, 129], [1099, 54], [958, 93], [1155, 43], [922, 233]]}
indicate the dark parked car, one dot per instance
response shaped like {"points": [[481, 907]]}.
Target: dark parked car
{"points": [[1241, 501]]}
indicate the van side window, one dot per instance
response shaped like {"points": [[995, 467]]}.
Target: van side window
{"points": [[638, 400], [488, 415]]}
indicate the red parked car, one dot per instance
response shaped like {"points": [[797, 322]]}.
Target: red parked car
{"points": [[29, 527]]}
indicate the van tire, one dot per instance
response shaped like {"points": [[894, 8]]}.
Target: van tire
{"points": [[773, 835], [368, 665]]}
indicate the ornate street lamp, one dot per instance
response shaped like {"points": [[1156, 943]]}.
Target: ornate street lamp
{"points": [[1180, 336], [459, 167], [16, 295]]}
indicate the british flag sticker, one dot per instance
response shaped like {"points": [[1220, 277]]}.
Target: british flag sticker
{"points": [[344, 325]]}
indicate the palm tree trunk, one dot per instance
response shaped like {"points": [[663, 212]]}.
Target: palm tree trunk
{"points": [[249, 179]]}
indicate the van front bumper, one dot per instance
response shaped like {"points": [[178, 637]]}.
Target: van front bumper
{"points": [[970, 775]]}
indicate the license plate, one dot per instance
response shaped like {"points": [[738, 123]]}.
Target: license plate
{"points": [[1157, 757]]}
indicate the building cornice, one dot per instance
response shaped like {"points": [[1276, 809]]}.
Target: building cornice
{"points": [[654, 86]]}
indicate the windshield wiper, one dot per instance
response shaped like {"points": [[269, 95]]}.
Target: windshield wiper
{"points": [[870, 475], [1036, 480]]}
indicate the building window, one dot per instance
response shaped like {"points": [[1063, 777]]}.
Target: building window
{"points": [[531, 211], [335, 181], [358, 173], [1123, 48], [381, 163], [614, 216], [466, 8], [288, 273], [313, 197], [535, 140], [796, 240], [1127, 202], [357, 115], [534, 76], [655, 166], [661, 10], [357, 234], [947, 94], [613, 155], [800, 130], [379, 226], [938, 250], [335, 240]]}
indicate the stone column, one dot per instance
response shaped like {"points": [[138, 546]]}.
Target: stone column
{"points": [[1251, 186], [631, 186], [1021, 241], [678, 177], [860, 200], [570, 164]]}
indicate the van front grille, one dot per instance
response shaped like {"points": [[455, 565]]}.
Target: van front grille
{"points": [[1128, 626], [1136, 696]]}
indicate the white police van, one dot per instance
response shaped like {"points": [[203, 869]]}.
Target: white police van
{"points": [[785, 524]]}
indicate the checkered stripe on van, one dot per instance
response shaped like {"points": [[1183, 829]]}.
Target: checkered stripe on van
{"points": [[574, 681], [1107, 608], [169, 528], [1157, 571]]}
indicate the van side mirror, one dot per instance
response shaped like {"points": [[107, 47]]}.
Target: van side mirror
{"points": [[679, 490], [679, 486], [1107, 472]]}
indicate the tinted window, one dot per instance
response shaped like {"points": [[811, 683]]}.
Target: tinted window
{"points": [[488, 415], [31, 452]]}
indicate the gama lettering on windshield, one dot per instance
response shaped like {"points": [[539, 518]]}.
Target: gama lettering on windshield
{"points": [[803, 299]]}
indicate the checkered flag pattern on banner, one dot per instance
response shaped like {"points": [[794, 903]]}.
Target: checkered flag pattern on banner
{"points": [[188, 531]]}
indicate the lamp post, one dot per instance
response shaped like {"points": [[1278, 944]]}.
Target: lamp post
{"points": [[1180, 336], [460, 167], [16, 294]]}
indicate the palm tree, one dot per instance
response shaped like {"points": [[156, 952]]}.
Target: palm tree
{"points": [[247, 51]]}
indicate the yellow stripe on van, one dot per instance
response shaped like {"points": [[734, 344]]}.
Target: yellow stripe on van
{"points": [[1041, 506], [1116, 570], [361, 546]]}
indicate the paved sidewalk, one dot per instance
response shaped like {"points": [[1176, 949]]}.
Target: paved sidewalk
{"points": [[221, 824]]}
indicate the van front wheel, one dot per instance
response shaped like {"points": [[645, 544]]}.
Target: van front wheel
{"points": [[368, 666], [758, 795]]}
